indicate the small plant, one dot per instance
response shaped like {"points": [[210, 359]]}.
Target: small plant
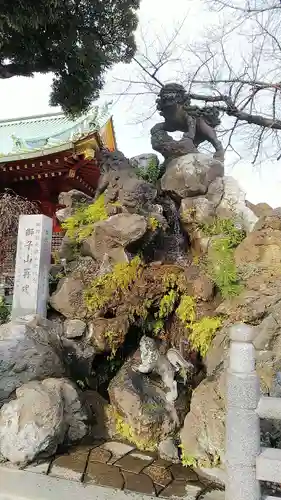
{"points": [[151, 173], [167, 304], [187, 460], [220, 260], [199, 333], [4, 311], [186, 309], [81, 224], [153, 224]]}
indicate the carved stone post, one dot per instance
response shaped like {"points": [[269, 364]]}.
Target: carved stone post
{"points": [[242, 420]]}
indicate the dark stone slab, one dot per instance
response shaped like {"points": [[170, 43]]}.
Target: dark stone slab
{"points": [[181, 489], [179, 472], [162, 463], [104, 475], [158, 474], [100, 455], [134, 462], [175, 489], [139, 483], [71, 466]]}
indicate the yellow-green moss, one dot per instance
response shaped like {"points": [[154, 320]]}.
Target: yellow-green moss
{"points": [[103, 288], [167, 304], [81, 224], [153, 223], [188, 460], [203, 332], [199, 333], [126, 432], [186, 309]]}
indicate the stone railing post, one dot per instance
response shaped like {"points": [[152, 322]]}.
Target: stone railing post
{"points": [[242, 420]]}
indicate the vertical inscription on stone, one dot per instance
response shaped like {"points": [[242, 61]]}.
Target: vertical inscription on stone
{"points": [[31, 287]]}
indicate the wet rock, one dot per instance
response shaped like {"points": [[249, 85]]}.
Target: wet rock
{"points": [[190, 175], [113, 235], [28, 350], [44, 415]]}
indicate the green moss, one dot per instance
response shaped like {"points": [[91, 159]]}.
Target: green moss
{"points": [[199, 333], [187, 460], [220, 260], [153, 223], [105, 287], [126, 432], [81, 224]]}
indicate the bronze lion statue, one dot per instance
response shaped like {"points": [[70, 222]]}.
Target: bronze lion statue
{"points": [[197, 124]]}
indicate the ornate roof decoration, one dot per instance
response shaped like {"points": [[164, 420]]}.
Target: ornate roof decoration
{"points": [[42, 134]]}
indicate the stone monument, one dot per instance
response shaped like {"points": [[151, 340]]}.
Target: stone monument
{"points": [[33, 259]]}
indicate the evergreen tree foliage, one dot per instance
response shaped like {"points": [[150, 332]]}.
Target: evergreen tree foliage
{"points": [[77, 40]]}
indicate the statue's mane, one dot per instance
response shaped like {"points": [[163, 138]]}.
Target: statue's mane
{"points": [[174, 93]]}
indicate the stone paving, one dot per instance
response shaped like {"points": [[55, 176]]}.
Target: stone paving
{"points": [[118, 465]]}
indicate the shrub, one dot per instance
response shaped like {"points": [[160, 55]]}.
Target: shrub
{"points": [[151, 173], [81, 224]]}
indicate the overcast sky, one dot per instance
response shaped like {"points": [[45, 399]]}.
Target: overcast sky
{"points": [[25, 96]]}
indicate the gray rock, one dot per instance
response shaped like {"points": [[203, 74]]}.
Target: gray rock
{"points": [[190, 175], [113, 235], [28, 351], [74, 328], [44, 415], [143, 161], [74, 198], [168, 451]]}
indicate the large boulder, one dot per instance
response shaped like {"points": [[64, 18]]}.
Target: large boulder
{"points": [[112, 236], [143, 416], [44, 415], [233, 204], [259, 303], [68, 299], [28, 351], [190, 175]]}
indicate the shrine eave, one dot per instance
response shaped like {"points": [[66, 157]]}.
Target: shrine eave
{"points": [[37, 153]]}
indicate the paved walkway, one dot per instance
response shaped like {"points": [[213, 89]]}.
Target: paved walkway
{"points": [[91, 470]]}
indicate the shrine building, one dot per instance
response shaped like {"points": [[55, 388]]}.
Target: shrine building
{"points": [[42, 156]]}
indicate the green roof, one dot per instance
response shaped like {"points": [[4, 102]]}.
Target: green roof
{"points": [[25, 137]]}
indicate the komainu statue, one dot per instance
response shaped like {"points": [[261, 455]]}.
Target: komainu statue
{"points": [[164, 365], [197, 124]]}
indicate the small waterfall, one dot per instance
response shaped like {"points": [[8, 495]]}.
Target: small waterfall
{"points": [[174, 244]]}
